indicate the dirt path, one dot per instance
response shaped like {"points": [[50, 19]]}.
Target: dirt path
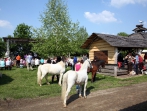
{"points": [[130, 98]]}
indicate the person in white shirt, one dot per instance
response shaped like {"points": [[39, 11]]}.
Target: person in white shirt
{"points": [[37, 62], [8, 64], [33, 62], [28, 62]]}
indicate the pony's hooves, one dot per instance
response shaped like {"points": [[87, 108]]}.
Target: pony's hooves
{"points": [[48, 83], [85, 97], [59, 84], [80, 96], [64, 106]]}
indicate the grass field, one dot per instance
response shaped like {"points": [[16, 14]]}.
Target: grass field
{"points": [[20, 83]]}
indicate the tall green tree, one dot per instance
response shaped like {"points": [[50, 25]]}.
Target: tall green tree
{"points": [[22, 31], [57, 32], [123, 34], [79, 38]]}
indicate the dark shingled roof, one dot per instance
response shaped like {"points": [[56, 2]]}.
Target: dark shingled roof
{"points": [[139, 28], [138, 40], [135, 40]]}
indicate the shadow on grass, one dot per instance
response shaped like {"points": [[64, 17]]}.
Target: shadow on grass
{"points": [[138, 107], [5, 79], [97, 78], [54, 82]]}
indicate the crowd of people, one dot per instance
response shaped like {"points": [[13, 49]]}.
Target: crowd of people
{"points": [[73, 60], [135, 62], [27, 61], [6, 63]]}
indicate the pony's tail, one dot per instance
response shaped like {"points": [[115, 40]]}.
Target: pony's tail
{"points": [[64, 85], [39, 74]]}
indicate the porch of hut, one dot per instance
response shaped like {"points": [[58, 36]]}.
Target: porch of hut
{"points": [[107, 47]]}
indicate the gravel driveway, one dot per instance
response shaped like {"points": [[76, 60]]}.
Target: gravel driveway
{"points": [[129, 98]]}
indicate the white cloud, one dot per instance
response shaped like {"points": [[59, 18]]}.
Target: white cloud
{"points": [[4, 23], [103, 17], [121, 3]]}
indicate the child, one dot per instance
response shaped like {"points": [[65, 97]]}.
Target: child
{"points": [[77, 68], [21, 63]]}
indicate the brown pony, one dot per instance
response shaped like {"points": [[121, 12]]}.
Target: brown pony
{"points": [[97, 65]]}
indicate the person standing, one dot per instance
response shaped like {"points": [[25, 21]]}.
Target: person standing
{"points": [[21, 63], [28, 60], [130, 60], [78, 65], [58, 59], [140, 63], [49, 61], [8, 64], [77, 68], [53, 61], [42, 61], [120, 60], [33, 62], [74, 61], [2, 63], [136, 63], [25, 56], [37, 62], [70, 62], [18, 60]]}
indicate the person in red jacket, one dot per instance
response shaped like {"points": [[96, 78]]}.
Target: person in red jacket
{"points": [[140, 62]]}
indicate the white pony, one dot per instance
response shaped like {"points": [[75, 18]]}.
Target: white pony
{"points": [[75, 77], [54, 69]]}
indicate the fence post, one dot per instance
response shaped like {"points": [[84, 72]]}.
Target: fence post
{"points": [[115, 71]]}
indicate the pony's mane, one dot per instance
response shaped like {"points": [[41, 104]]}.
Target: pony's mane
{"points": [[84, 64], [61, 63], [99, 63], [63, 59]]}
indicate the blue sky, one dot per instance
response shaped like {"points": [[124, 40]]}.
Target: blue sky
{"points": [[100, 16]]}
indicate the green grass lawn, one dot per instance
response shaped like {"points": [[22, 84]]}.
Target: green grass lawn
{"points": [[20, 83]]}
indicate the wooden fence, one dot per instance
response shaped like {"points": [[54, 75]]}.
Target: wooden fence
{"points": [[112, 70]]}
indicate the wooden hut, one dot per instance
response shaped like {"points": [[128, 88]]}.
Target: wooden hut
{"points": [[106, 46]]}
